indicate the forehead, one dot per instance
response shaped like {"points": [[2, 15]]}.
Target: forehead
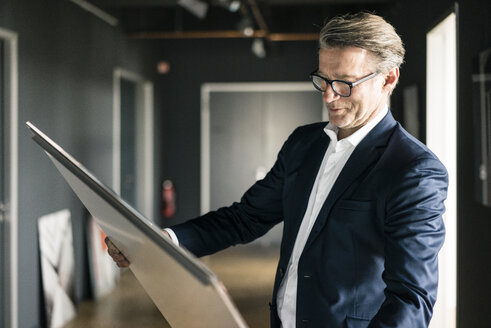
{"points": [[345, 62]]}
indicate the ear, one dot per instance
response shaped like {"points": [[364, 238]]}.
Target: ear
{"points": [[391, 79]]}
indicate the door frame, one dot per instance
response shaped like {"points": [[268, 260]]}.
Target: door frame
{"points": [[441, 137], [10, 238], [145, 139], [208, 88]]}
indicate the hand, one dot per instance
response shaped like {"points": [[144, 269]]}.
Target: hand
{"points": [[118, 257], [166, 234]]}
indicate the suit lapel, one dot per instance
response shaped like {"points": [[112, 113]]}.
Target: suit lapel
{"points": [[304, 182], [365, 154]]}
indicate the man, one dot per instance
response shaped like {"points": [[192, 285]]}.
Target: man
{"points": [[361, 199]]}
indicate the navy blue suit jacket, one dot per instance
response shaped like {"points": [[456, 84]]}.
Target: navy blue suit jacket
{"points": [[371, 257]]}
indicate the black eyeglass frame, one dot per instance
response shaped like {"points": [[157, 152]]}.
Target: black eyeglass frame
{"points": [[330, 82]]}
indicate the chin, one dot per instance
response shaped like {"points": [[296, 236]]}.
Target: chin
{"points": [[340, 123]]}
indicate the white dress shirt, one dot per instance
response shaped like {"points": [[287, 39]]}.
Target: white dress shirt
{"points": [[336, 156]]}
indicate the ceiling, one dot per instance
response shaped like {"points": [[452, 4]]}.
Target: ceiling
{"points": [[274, 20]]}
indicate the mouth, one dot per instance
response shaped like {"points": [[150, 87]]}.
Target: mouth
{"points": [[334, 110]]}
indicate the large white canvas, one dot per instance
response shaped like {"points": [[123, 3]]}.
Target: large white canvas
{"points": [[185, 291]]}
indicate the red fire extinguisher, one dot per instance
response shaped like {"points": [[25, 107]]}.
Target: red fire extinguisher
{"points": [[168, 199]]}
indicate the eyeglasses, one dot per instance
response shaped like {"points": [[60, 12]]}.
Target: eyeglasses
{"points": [[340, 87]]}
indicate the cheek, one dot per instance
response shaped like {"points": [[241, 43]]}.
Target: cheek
{"points": [[362, 104], [355, 106]]}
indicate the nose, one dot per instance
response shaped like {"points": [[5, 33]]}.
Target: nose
{"points": [[329, 95]]}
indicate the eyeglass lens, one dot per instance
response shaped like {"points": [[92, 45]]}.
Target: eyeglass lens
{"points": [[341, 88]]}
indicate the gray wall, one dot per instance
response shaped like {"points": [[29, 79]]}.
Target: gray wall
{"points": [[66, 62]]}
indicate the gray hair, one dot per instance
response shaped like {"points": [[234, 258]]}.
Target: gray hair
{"points": [[366, 31]]}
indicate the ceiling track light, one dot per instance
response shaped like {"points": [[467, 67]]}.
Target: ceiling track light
{"points": [[195, 7], [231, 5], [246, 26], [234, 6]]}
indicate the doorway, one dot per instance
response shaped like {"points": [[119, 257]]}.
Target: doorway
{"points": [[128, 141], [133, 141], [8, 179], [243, 128], [2, 179], [441, 137]]}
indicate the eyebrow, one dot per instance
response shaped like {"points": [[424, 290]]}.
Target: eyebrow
{"points": [[340, 77]]}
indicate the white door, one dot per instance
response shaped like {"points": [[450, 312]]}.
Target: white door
{"points": [[245, 127], [441, 137]]}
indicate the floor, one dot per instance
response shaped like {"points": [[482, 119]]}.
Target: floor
{"points": [[246, 271]]}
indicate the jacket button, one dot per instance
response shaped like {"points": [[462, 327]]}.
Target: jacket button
{"points": [[282, 272]]}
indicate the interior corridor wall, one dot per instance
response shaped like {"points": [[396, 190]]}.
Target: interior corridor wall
{"points": [[66, 62]]}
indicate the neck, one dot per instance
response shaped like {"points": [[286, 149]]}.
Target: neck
{"points": [[344, 133]]}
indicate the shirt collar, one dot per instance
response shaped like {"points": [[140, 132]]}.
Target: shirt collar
{"points": [[357, 137]]}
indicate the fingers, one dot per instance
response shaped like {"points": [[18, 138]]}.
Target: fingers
{"points": [[118, 257], [121, 260]]}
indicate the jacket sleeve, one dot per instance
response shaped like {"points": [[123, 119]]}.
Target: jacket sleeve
{"points": [[257, 212], [414, 233]]}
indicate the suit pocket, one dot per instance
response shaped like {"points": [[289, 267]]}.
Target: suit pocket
{"points": [[355, 322], [355, 205]]}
